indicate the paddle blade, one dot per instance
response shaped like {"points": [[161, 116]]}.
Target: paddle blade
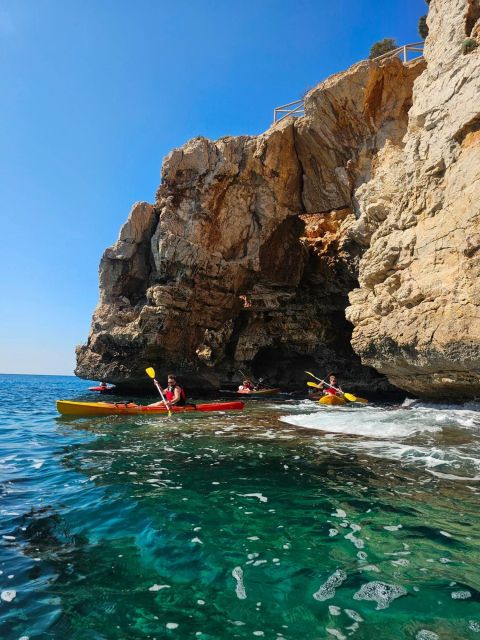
{"points": [[352, 398], [150, 371], [312, 384], [310, 374]]}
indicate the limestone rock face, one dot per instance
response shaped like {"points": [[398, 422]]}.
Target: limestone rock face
{"points": [[246, 258], [416, 313]]}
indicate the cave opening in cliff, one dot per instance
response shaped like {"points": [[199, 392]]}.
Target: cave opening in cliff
{"points": [[473, 15], [279, 365]]}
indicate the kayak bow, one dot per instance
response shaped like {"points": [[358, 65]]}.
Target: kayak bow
{"points": [[332, 400]]}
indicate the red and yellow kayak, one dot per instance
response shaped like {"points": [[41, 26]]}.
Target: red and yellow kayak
{"points": [[332, 400], [72, 408]]}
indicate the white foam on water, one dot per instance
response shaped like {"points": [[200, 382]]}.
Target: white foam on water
{"points": [[327, 589], [474, 626], [260, 496], [393, 527], [401, 562], [369, 422], [158, 587], [336, 634], [425, 634], [237, 573], [172, 625], [353, 627], [370, 567], [429, 458], [358, 542], [332, 532], [353, 615], [8, 596], [380, 592], [339, 513], [333, 610], [461, 595]]}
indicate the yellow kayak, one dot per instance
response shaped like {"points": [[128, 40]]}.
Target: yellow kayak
{"points": [[332, 400]]}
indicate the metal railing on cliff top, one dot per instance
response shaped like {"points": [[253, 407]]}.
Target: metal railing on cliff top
{"points": [[297, 107]]}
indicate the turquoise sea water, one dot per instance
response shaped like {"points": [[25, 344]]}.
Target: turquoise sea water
{"points": [[288, 520]]}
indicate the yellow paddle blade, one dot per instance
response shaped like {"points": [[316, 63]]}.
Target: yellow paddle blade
{"points": [[150, 371], [311, 374], [312, 384], [352, 398]]}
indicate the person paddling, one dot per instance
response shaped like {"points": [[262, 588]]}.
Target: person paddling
{"points": [[246, 386], [174, 393], [331, 388]]}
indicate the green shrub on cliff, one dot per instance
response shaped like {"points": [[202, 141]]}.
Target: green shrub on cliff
{"points": [[381, 47], [469, 45], [423, 27]]}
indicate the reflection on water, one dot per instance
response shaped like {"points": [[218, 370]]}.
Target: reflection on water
{"points": [[288, 520]]}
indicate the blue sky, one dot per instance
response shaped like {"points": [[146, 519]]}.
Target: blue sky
{"points": [[93, 95]]}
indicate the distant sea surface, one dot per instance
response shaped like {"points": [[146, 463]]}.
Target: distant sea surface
{"points": [[286, 521]]}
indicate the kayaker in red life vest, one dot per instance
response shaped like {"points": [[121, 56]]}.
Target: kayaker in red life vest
{"points": [[246, 386], [174, 394], [334, 389]]}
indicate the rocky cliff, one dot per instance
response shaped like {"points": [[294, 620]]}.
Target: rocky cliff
{"points": [[247, 257], [417, 310]]}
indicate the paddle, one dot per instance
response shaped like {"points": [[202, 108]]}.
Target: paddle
{"points": [[150, 371], [348, 396]]}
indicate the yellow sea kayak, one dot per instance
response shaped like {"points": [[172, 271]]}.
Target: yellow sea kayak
{"points": [[332, 400]]}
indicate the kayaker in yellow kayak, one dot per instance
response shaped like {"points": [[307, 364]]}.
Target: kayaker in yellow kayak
{"points": [[331, 388], [173, 392]]}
